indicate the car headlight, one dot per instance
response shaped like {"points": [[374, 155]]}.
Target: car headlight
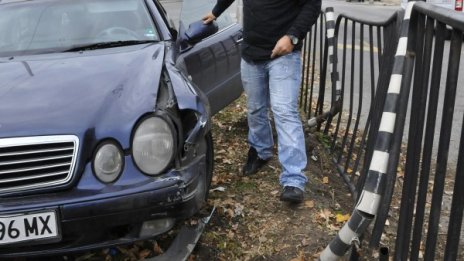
{"points": [[153, 145], [108, 162]]}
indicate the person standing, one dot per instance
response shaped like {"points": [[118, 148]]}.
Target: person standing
{"points": [[271, 74]]}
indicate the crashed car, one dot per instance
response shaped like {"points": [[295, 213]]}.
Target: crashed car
{"points": [[105, 120]]}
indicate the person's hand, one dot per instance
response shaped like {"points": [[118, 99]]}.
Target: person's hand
{"points": [[283, 46], [208, 18]]}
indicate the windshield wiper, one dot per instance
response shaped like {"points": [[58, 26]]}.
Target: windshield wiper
{"points": [[103, 45]]}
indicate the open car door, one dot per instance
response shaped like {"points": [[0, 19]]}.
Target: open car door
{"points": [[212, 63]]}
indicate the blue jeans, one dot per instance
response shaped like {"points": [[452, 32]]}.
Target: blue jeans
{"points": [[275, 85]]}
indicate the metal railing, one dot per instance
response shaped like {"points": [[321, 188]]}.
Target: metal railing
{"points": [[367, 135], [346, 92], [433, 64], [314, 68]]}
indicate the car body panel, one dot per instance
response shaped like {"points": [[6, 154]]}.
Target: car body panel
{"points": [[213, 63], [102, 90]]}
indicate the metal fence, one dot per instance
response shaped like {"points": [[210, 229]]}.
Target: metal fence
{"points": [[349, 81], [432, 64], [367, 114], [314, 68]]}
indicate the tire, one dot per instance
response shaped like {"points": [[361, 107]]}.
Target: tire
{"points": [[205, 147], [209, 162]]}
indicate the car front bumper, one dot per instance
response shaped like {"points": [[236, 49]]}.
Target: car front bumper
{"points": [[92, 217]]}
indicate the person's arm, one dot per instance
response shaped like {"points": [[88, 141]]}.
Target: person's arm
{"points": [[218, 9], [310, 11]]}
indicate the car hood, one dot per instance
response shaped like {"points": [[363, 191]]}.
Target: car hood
{"points": [[101, 93]]}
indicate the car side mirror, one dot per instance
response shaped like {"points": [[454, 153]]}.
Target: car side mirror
{"points": [[196, 32]]}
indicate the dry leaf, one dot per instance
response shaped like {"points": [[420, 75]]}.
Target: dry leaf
{"points": [[342, 218], [144, 253], [227, 161], [309, 203], [325, 214], [304, 242], [157, 249], [325, 180], [299, 258]]}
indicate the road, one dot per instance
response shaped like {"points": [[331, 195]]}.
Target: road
{"points": [[379, 12]]}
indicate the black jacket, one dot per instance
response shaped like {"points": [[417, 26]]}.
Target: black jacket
{"points": [[266, 21]]}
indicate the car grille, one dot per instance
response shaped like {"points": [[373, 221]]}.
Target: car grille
{"points": [[36, 162]]}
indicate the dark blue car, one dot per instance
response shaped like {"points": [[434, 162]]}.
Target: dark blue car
{"points": [[105, 116]]}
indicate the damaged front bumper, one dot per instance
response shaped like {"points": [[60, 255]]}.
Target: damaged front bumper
{"points": [[93, 217]]}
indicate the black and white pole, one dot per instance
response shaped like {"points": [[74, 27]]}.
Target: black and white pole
{"points": [[371, 195], [331, 42]]}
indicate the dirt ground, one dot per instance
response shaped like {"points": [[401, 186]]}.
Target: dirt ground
{"points": [[251, 222]]}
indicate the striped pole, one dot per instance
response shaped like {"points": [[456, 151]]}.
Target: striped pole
{"points": [[332, 42], [334, 77], [367, 206]]}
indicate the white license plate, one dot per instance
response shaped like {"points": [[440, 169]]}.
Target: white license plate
{"points": [[28, 227]]}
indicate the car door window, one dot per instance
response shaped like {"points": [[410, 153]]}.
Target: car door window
{"points": [[194, 10]]}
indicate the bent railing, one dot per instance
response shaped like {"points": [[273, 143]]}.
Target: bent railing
{"points": [[314, 68], [363, 51], [343, 89], [434, 166], [433, 162]]}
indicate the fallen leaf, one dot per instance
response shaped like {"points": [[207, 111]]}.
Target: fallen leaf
{"points": [[299, 258], [309, 203], [144, 253], [275, 192], [304, 242], [325, 180], [157, 249], [325, 214], [342, 218], [238, 210], [227, 161]]}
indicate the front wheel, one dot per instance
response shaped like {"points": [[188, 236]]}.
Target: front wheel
{"points": [[205, 147], [209, 161]]}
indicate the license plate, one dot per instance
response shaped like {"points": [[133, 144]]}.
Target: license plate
{"points": [[28, 227]]}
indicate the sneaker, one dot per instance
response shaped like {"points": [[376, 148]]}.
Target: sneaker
{"points": [[254, 163], [292, 195]]}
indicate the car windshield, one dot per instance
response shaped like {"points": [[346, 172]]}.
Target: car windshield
{"points": [[35, 27]]}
